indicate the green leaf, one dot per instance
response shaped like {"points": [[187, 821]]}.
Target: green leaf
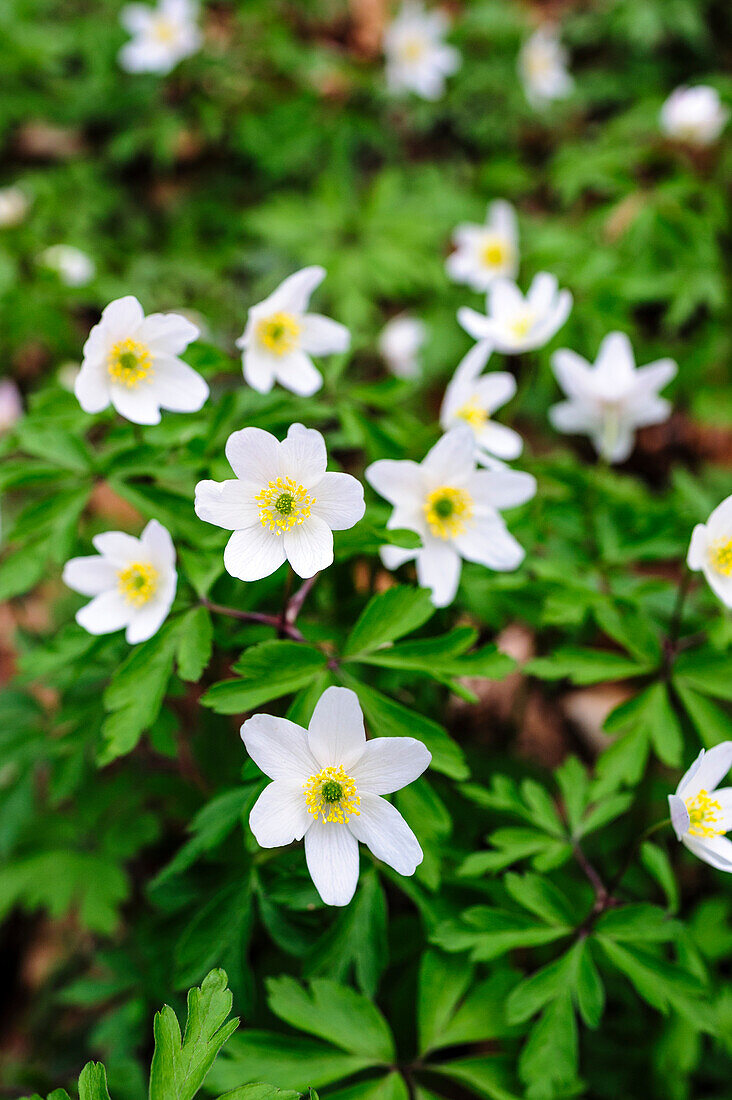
{"points": [[390, 1087], [658, 865], [553, 980], [387, 616], [260, 1092], [61, 880], [489, 1077], [357, 939], [54, 444], [195, 640], [299, 1062], [542, 897], [550, 1055], [268, 671], [488, 932], [586, 666], [710, 721], [705, 671], [334, 1012], [180, 1065], [637, 924], [93, 1082], [589, 990]]}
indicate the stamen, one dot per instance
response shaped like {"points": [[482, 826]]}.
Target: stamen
{"points": [[129, 363], [702, 815], [473, 414], [494, 252], [138, 582], [447, 511], [332, 795], [284, 504], [412, 49], [521, 324], [279, 333], [720, 556]]}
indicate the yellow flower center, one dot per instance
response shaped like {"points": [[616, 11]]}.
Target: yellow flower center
{"points": [[473, 414], [494, 252], [447, 510], [412, 50], [129, 363], [703, 816], [332, 795], [284, 504], [720, 556], [278, 333], [138, 582], [520, 325], [164, 30]]}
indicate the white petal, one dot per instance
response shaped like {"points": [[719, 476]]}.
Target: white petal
{"points": [[488, 542], [680, 819], [258, 369], [90, 576], [121, 549], [105, 614], [471, 365], [452, 459], [615, 356], [280, 814], [279, 748], [655, 376], [395, 556], [715, 850], [474, 323], [389, 763], [253, 553], [146, 621], [495, 389], [309, 547], [177, 386], [303, 455], [156, 541], [167, 333], [136, 18], [719, 523], [140, 404], [382, 828], [336, 733], [92, 387], [339, 501], [228, 504], [293, 294], [499, 440], [254, 456], [400, 481], [573, 418], [321, 336], [438, 568], [296, 372], [122, 318], [698, 547], [573, 373], [331, 852], [501, 488], [711, 768]]}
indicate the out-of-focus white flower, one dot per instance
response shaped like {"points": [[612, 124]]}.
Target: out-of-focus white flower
{"points": [[161, 36], [327, 786], [694, 115], [280, 336], [609, 400], [14, 205], [710, 551], [417, 58], [701, 814], [512, 323], [11, 406], [73, 267], [282, 505], [542, 67], [67, 374], [486, 252], [471, 398], [133, 582], [454, 508], [132, 361], [400, 342]]}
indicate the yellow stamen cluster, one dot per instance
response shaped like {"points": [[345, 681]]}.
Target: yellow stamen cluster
{"points": [[138, 582], [332, 796], [703, 815], [520, 325], [494, 252], [278, 333], [164, 30], [473, 414], [412, 49], [447, 510], [284, 504], [720, 556], [129, 363]]}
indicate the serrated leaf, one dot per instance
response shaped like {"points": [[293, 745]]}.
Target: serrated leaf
{"points": [[387, 616]]}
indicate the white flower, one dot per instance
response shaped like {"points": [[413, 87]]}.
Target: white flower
{"points": [[327, 787], [132, 361], [455, 510], [701, 814], [609, 400], [710, 551], [486, 252], [542, 67], [11, 406], [513, 323], [162, 36], [400, 342], [281, 505], [133, 582], [417, 59], [72, 265], [280, 336], [694, 115], [14, 205], [472, 398]]}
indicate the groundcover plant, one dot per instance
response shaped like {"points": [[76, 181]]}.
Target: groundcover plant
{"points": [[366, 553]]}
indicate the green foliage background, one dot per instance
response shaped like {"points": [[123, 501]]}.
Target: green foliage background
{"points": [[503, 969]]}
